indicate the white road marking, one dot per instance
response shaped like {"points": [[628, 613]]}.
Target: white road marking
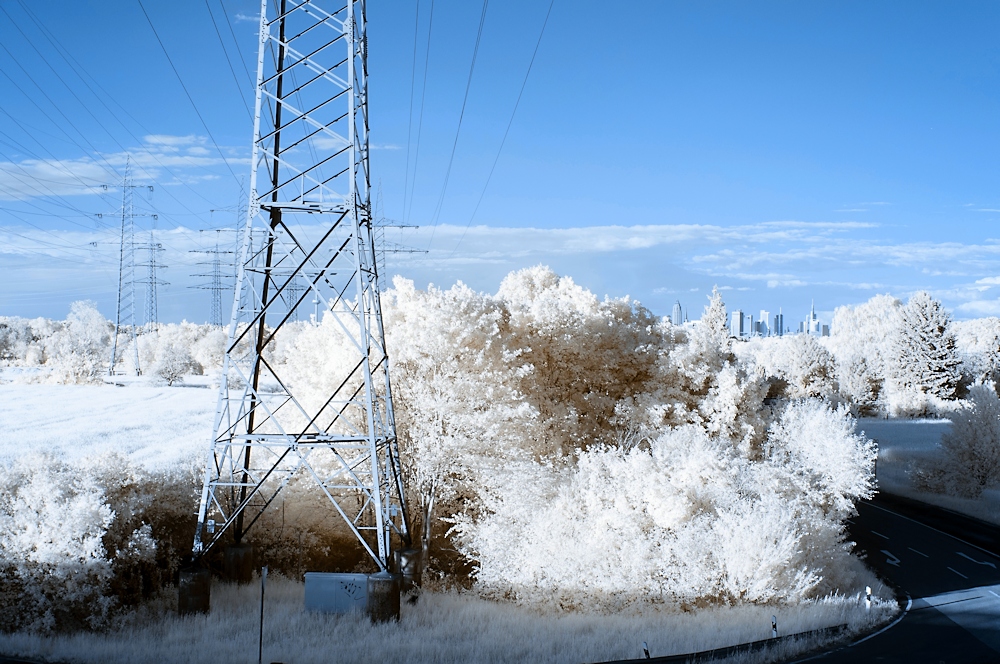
{"points": [[992, 593], [978, 562], [874, 532], [892, 560], [959, 573], [918, 552], [921, 523]]}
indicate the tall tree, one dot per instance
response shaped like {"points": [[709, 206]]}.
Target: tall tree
{"points": [[927, 360]]}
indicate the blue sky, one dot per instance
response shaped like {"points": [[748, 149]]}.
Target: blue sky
{"points": [[784, 151]]}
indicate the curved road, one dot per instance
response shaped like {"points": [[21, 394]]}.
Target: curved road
{"points": [[946, 565]]}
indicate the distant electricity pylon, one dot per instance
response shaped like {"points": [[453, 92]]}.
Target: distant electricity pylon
{"points": [[314, 204], [152, 280], [125, 311], [222, 279], [382, 245]]}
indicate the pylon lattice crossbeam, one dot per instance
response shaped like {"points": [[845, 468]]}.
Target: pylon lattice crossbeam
{"points": [[310, 199]]}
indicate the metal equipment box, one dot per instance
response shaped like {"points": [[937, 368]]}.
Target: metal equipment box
{"points": [[336, 593]]}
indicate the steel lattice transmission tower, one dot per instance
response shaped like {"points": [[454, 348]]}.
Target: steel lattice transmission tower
{"points": [[153, 251], [310, 192], [221, 283], [125, 311]]}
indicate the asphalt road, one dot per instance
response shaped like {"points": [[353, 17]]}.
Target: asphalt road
{"points": [[952, 582]]}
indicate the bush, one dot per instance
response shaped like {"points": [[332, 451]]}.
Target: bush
{"points": [[78, 543], [970, 453], [691, 520]]}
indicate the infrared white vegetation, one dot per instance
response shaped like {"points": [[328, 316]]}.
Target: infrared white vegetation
{"points": [[566, 453], [443, 627]]}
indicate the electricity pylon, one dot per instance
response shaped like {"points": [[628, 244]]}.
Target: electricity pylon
{"points": [[221, 283], [152, 281], [314, 204], [125, 311]]}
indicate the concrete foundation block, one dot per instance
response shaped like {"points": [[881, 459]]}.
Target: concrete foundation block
{"points": [[237, 563], [383, 596], [194, 590]]}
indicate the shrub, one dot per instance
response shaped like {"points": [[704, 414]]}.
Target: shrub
{"points": [[78, 542], [690, 520], [970, 453]]}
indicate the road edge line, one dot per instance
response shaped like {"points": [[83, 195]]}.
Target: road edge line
{"points": [[909, 603]]}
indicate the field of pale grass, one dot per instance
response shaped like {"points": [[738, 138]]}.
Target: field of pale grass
{"points": [[441, 627]]}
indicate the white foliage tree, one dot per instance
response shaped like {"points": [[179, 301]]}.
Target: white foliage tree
{"points": [[926, 358], [80, 351], [861, 340], [173, 362], [803, 367], [586, 354], [978, 344], [458, 407]]}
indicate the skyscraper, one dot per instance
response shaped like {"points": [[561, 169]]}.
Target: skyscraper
{"points": [[677, 315], [736, 324]]}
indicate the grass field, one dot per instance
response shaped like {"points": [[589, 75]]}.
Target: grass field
{"points": [[441, 627]]}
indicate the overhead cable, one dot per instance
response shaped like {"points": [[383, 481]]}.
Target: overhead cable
{"points": [[188, 94], [458, 130], [507, 130]]}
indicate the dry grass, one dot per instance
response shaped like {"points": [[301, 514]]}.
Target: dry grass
{"points": [[441, 627]]}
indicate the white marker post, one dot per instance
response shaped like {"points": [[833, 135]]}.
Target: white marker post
{"points": [[260, 645], [868, 598], [645, 649], [774, 627]]}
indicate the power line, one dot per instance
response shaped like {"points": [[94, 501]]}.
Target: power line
{"points": [[230, 62], [506, 131], [420, 121], [188, 94], [409, 117], [236, 41], [77, 68], [56, 73], [458, 130]]}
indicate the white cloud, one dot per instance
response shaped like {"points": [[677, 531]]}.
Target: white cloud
{"points": [[173, 141], [32, 178], [36, 178], [327, 142], [980, 308], [247, 18], [779, 261]]}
